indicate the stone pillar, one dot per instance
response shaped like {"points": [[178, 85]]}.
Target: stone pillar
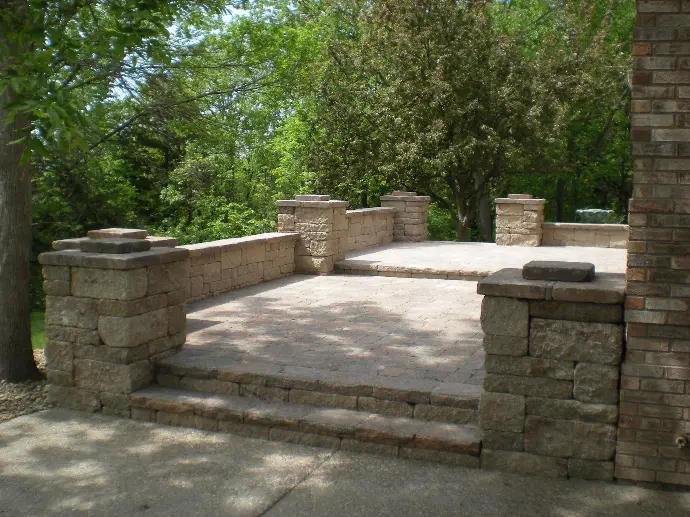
{"points": [[323, 228], [553, 349], [655, 387], [519, 220], [112, 308], [410, 222]]}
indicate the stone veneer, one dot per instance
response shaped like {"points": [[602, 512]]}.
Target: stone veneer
{"points": [[519, 220], [220, 266], [553, 353], [369, 227], [579, 234], [108, 317], [410, 223]]}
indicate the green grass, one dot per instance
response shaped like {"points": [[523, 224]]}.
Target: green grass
{"points": [[38, 330]]}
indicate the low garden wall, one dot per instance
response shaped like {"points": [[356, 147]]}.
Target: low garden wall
{"points": [[578, 234], [220, 266], [369, 227], [520, 222]]}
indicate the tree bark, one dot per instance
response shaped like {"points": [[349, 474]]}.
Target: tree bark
{"points": [[16, 356], [484, 211]]}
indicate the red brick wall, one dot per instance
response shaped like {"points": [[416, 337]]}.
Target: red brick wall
{"points": [[655, 385]]}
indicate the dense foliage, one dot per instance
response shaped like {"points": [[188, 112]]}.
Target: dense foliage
{"points": [[191, 119]]}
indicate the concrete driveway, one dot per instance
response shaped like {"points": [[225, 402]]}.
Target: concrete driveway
{"points": [[59, 463]]}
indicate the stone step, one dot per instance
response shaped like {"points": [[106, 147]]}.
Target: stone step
{"points": [[339, 429], [394, 396], [369, 268]]}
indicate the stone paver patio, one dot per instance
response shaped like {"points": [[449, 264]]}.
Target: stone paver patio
{"points": [[389, 327], [476, 259]]}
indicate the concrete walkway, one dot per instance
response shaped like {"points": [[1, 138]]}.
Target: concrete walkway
{"points": [[60, 463], [479, 258]]}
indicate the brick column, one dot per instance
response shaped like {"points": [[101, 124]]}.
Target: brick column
{"points": [[519, 220], [112, 308], [323, 228], [655, 386], [410, 222], [553, 350]]}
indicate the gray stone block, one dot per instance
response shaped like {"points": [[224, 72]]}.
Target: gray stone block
{"points": [[558, 271], [130, 332], [114, 246], [568, 340], [502, 440], [596, 383], [529, 386], [572, 410], [502, 412], [569, 438], [573, 311], [505, 345], [109, 284], [592, 470], [529, 367], [505, 316]]}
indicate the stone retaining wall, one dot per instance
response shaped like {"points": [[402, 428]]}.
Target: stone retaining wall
{"points": [[369, 227], [220, 266], [553, 354], [593, 235]]}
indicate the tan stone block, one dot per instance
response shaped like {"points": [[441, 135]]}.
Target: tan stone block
{"points": [[112, 284], [254, 253], [59, 355], [177, 319], [316, 398], [73, 398], [569, 438], [128, 308], [57, 288], [505, 316], [79, 336], [502, 440], [133, 331], [111, 377], [164, 278], [502, 412], [196, 286], [68, 311], [529, 367], [524, 463], [60, 377], [445, 414], [143, 415], [57, 273], [529, 386], [596, 383], [385, 407], [568, 340]]}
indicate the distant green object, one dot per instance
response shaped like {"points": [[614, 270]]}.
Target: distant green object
{"points": [[596, 216], [38, 330]]}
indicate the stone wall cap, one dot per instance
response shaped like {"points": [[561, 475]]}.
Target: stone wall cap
{"points": [[605, 288], [506, 200], [403, 193], [587, 226], [156, 242], [520, 196], [117, 233], [68, 244], [238, 242], [116, 246], [407, 199], [312, 197], [376, 209], [287, 202], [135, 260], [333, 203], [558, 271], [163, 242]]}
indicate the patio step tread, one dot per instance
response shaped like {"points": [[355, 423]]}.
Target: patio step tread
{"points": [[398, 396], [310, 425], [368, 267]]}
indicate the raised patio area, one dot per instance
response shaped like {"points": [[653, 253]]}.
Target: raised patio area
{"points": [[468, 260]]}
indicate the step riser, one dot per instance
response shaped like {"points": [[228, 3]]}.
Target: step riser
{"points": [[465, 455], [412, 273], [279, 389]]}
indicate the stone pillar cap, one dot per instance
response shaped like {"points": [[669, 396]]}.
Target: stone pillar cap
{"points": [[117, 233], [312, 197], [558, 271], [506, 200], [402, 193], [520, 196], [114, 246]]}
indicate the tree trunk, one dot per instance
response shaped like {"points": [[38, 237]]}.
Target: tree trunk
{"points": [[16, 356], [560, 199], [484, 212]]}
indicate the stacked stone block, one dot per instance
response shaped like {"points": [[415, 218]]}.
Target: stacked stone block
{"points": [[410, 223], [108, 317], [580, 234], [553, 350], [220, 266], [369, 227], [519, 220], [655, 387], [322, 226]]}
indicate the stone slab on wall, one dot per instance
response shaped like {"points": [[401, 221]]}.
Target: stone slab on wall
{"points": [[108, 318], [592, 235], [369, 227], [553, 353], [220, 266]]}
